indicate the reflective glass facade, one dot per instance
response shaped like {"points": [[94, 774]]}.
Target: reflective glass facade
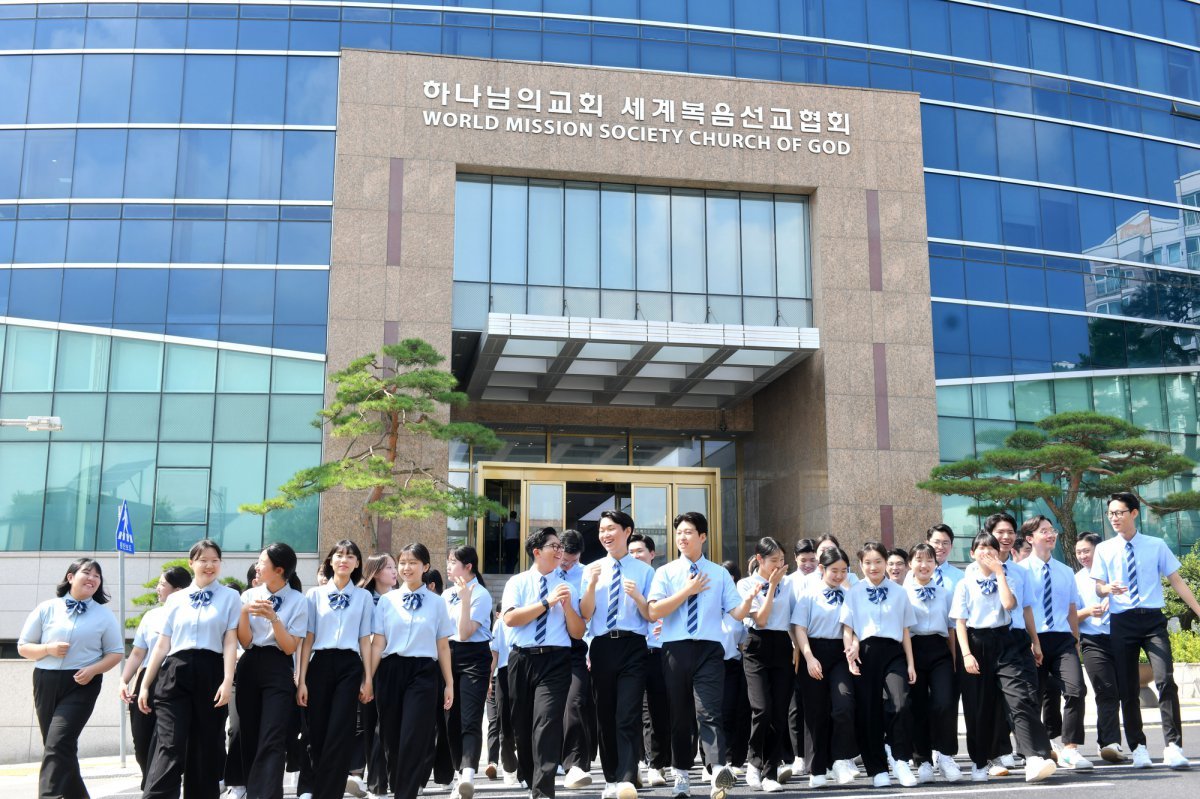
{"points": [[166, 168]]}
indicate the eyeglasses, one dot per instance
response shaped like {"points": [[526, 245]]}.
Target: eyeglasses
{"points": [[1116, 514], [554, 546]]}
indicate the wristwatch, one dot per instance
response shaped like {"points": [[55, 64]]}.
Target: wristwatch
{"points": [[546, 606]]}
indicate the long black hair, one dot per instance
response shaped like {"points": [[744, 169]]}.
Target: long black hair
{"points": [[101, 596], [467, 556], [177, 577], [283, 557]]}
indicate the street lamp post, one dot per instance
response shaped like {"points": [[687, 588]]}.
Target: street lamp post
{"points": [[35, 424]]}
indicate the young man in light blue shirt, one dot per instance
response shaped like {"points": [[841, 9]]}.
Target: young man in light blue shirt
{"points": [[1129, 570], [692, 595]]}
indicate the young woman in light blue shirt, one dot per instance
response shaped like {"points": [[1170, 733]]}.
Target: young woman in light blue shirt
{"points": [[379, 577], [469, 605], [272, 624], [335, 666], [74, 639], [411, 644]]}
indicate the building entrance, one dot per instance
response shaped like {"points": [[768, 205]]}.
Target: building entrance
{"points": [[574, 496]]}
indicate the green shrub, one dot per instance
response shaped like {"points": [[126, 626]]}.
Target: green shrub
{"points": [[1189, 570], [150, 599], [1185, 646]]}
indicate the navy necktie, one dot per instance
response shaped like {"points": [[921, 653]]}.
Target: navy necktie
{"points": [[614, 596], [834, 596], [75, 606], [937, 576], [412, 602], [201, 599], [1047, 597], [693, 606], [988, 586], [276, 602], [767, 587], [877, 595], [455, 598], [1131, 573], [339, 601], [539, 627], [926, 593]]}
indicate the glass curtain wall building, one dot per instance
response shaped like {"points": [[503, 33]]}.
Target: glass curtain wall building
{"points": [[166, 174]]}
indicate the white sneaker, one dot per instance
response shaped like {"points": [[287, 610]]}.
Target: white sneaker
{"points": [[771, 786], [1039, 768], [683, 786], [785, 773], [734, 770], [1141, 757], [355, 786], [817, 781], [904, 774], [722, 781], [843, 772], [1073, 759], [881, 780], [887, 751], [655, 778], [798, 767], [510, 778], [753, 777], [461, 789], [609, 792], [1113, 754], [979, 774], [925, 773], [236, 792], [950, 770], [577, 778], [304, 796], [1008, 761], [996, 768], [1174, 757], [625, 790]]}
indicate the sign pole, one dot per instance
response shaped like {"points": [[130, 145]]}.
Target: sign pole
{"points": [[124, 545]]}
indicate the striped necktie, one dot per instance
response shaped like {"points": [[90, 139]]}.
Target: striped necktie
{"points": [[1131, 573], [693, 606], [539, 627], [937, 577], [1047, 597], [614, 596]]}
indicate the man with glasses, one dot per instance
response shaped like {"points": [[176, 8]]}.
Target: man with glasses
{"points": [[1129, 570]]}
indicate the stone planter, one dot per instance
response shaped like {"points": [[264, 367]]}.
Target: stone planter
{"points": [[1187, 677], [1146, 695]]}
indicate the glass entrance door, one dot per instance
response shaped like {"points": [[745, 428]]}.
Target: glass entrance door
{"points": [[574, 496]]}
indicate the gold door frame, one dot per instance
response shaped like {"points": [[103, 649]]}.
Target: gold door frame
{"points": [[659, 476]]}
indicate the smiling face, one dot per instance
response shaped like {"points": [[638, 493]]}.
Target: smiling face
{"points": [[614, 538], [388, 575], [639, 550], [1006, 536], [835, 573], [85, 582], [412, 571], [268, 573], [549, 556], [896, 568], [689, 540], [806, 562], [206, 568], [343, 564], [455, 568], [942, 544], [873, 566], [1044, 538], [1122, 519], [163, 589], [922, 566], [1085, 553]]}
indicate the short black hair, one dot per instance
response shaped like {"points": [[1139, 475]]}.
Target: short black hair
{"points": [[619, 517], [1090, 538], [538, 540], [940, 527], [898, 552], [921, 549], [101, 596], [204, 543], [345, 547], [732, 567], [831, 538], [873, 546], [645, 539], [989, 524], [984, 539], [694, 518], [804, 546], [177, 577], [1126, 498], [572, 541]]}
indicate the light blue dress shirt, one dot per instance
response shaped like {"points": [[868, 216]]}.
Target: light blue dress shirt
{"points": [[339, 627], [1063, 593], [150, 628], [292, 611], [712, 604], [819, 613], [91, 633], [628, 616], [931, 607], [574, 576], [816, 580], [951, 576], [193, 623], [481, 611], [887, 618], [981, 611], [523, 590], [781, 607], [499, 643], [1022, 588], [411, 632], [1086, 586], [735, 633], [1153, 560]]}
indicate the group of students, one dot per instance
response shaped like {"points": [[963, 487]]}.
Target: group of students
{"points": [[643, 664]]}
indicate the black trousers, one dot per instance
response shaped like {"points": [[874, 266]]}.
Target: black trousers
{"points": [[618, 683], [1061, 675], [141, 728], [579, 721], [1004, 726], [63, 708], [369, 749], [501, 747], [695, 675], [266, 705], [189, 733], [934, 698], [796, 717], [333, 679], [656, 714], [1005, 684], [735, 713], [767, 660], [881, 703], [1145, 629], [437, 758], [1102, 672], [538, 681], [471, 664], [828, 707], [406, 689]]}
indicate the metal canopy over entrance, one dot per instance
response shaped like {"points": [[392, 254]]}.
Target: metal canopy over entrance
{"points": [[573, 496], [576, 360]]}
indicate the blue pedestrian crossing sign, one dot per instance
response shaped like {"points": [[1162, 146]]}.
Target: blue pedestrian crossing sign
{"points": [[124, 529]]}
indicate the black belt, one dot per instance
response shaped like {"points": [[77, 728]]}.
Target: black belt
{"points": [[540, 650], [1139, 611], [620, 634]]}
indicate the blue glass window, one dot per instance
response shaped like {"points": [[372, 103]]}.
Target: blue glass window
{"points": [[508, 225], [942, 206], [1091, 159], [950, 328], [981, 210], [1055, 162], [1017, 154], [989, 331], [194, 296], [314, 36], [1046, 45], [14, 88], [105, 34], [150, 166], [145, 241], [247, 296], [12, 142], [99, 163], [976, 132], [1128, 166], [1083, 53], [985, 282], [946, 278], [54, 88], [59, 34], [87, 295], [1009, 39], [304, 243], [197, 241], [203, 164], [157, 88], [142, 296], [301, 297], [208, 88], [1065, 290], [49, 155], [263, 34], [312, 91], [36, 293], [969, 32], [164, 34], [1020, 215], [259, 90], [255, 164], [93, 241], [472, 211], [16, 34], [251, 241], [307, 165], [106, 87], [668, 56]]}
